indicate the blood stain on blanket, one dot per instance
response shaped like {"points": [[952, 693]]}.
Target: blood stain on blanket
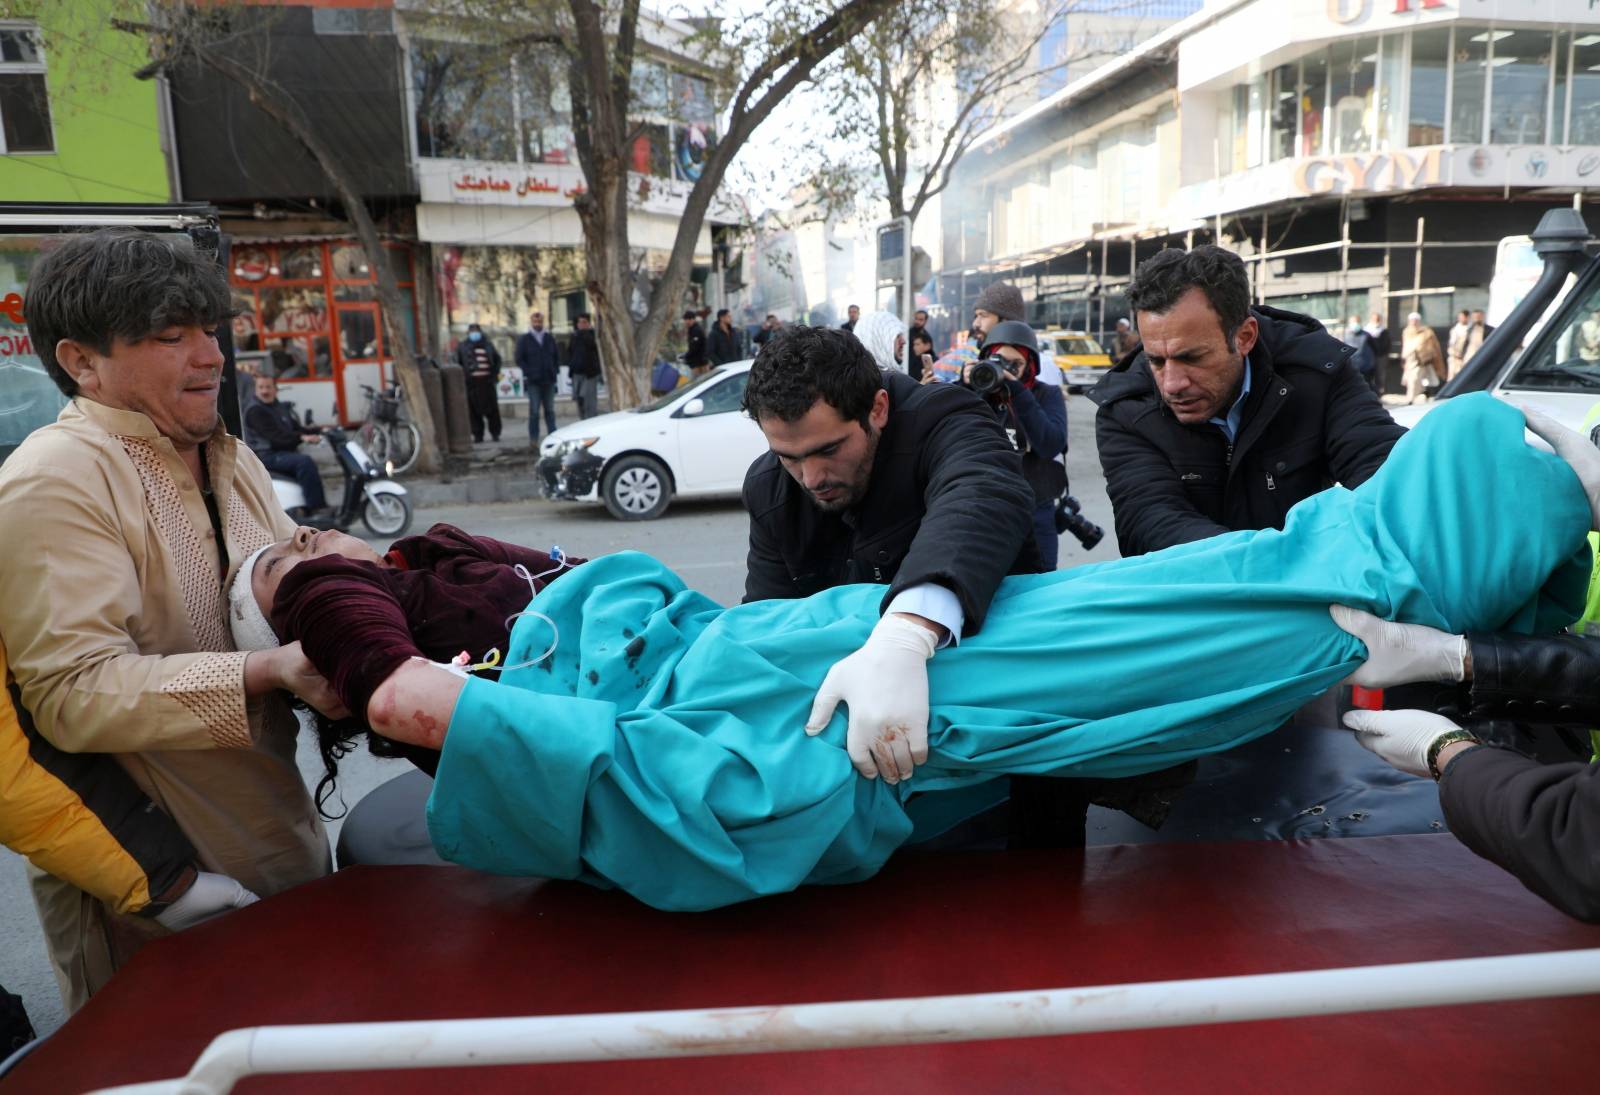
{"points": [[633, 650]]}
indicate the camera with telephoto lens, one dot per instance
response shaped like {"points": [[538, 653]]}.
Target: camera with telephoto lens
{"points": [[1070, 518], [987, 377]]}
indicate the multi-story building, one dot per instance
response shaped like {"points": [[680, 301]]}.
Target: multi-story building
{"points": [[1322, 139], [497, 171]]}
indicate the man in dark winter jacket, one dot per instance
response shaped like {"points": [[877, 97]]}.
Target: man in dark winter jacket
{"points": [[273, 434], [724, 341], [1231, 414], [583, 367], [695, 355], [540, 362], [872, 477], [481, 362]]}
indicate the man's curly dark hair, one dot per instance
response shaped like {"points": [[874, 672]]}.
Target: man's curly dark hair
{"points": [[1215, 271], [801, 364]]}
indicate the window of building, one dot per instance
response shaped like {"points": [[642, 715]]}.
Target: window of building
{"points": [[464, 104], [543, 107], [1391, 92], [1352, 95], [24, 92], [1469, 83], [1583, 91], [1313, 104], [1285, 93], [1430, 87], [1520, 96]]}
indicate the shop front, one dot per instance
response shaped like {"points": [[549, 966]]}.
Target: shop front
{"points": [[309, 309]]}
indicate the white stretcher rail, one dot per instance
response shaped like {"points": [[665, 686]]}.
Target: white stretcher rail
{"points": [[789, 1027]]}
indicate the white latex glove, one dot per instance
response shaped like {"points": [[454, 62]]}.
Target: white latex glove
{"points": [[1401, 653], [1400, 737], [1576, 450], [211, 895], [885, 686]]}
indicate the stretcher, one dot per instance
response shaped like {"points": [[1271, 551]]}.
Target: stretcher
{"points": [[373, 944]]}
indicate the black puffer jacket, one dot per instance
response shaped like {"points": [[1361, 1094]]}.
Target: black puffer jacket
{"points": [[946, 504], [1310, 421]]}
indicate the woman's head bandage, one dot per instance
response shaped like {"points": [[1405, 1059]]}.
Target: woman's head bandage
{"points": [[250, 628]]}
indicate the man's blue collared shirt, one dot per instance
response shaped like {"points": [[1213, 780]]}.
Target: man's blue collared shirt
{"points": [[1230, 425]]}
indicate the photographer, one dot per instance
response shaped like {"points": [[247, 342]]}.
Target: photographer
{"points": [[1034, 416]]}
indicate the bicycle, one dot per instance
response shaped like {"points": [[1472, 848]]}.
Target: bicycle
{"points": [[392, 440]]}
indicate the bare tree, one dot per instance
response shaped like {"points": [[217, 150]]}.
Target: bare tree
{"points": [[918, 87], [231, 44], [771, 56]]}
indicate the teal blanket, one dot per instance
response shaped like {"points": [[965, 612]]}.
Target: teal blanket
{"points": [[661, 750]]}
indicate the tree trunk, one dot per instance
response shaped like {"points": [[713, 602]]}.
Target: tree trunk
{"points": [[287, 113]]}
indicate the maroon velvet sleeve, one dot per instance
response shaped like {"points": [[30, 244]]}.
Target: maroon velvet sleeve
{"points": [[349, 622], [445, 542]]}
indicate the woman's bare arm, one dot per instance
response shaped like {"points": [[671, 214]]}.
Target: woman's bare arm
{"points": [[414, 703]]}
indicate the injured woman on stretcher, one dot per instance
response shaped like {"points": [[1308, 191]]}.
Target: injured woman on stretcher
{"points": [[644, 737]]}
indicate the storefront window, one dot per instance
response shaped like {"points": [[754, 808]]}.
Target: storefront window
{"points": [[358, 334], [1468, 82], [463, 102], [1430, 72], [651, 88], [1353, 95], [1583, 126], [1521, 90], [350, 263], [652, 151], [299, 309], [300, 263], [1391, 92], [1285, 91], [1313, 103], [544, 108]]}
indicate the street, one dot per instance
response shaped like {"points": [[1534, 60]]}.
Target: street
{"points": [[703, 541]]}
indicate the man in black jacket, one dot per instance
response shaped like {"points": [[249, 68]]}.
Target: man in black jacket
{"points": [[1231, 414], [694, 355], [872, 477], [723, 345], [583, 367], [273, 434]]}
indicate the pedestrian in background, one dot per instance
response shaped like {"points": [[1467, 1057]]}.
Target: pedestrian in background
{"points": [[583, 367], [769, 327], [540, 362], [919, 326], [1456, 344], [1355, 337], [921, 363], [850, 324], [1124, 342], [1382, 346], [1477, 331], [884, 336], [1421, 357], [481, 362], [694, 355], [723, 345]]}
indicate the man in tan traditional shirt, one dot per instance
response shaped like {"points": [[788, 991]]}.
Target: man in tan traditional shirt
{"points": [[120, 525]]}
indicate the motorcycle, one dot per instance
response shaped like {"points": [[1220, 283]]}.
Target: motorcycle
{"points": [[381, 503]]}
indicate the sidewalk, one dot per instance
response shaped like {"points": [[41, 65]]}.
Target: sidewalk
{"points": [[495, 471]]}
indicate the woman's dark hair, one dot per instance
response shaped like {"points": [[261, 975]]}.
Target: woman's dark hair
{"points": [[1215, 271], [338, 738], [800, 365], [119, 282]]}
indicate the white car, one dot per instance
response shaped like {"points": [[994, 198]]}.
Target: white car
{"points": [[695, 442], [1559, 371]]}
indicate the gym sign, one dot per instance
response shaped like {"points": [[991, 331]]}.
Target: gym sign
{"points": [[1350, 11], [1372, 173]]}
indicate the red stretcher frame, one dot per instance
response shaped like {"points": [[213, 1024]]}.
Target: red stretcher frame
{"points": [[403, 943]]}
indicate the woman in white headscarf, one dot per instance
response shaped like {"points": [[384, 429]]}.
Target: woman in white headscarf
{"points": [[884, 336]]}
